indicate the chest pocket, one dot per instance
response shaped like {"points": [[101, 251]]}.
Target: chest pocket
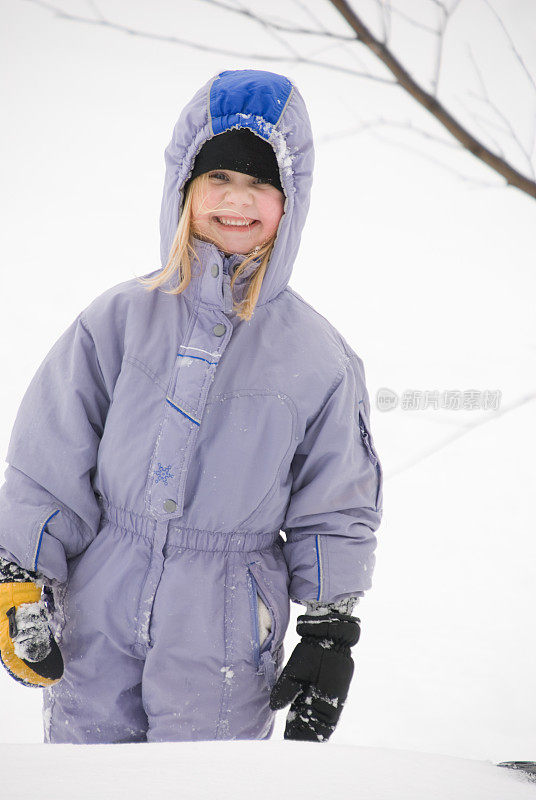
{"points": [[243, 440]]}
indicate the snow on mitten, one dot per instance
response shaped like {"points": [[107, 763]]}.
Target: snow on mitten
{"points": [[317, 676], [28, 649]]}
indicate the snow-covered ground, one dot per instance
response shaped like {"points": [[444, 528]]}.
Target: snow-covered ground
{"points": [[241, 770], [431, 279]]}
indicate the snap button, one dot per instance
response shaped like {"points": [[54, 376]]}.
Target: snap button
{"points": [[170, 505], [215, 270], [219, 329]]}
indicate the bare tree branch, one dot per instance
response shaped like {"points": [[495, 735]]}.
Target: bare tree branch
{"points": [[474, 182], [93, 5], [446, 15], [271, 29], [245, 12], [343, 46], [477, 117], [421, 25], [497, 111], [512, 176], [521, 62], [209, 48], [369, 125], [408, 125], [512, 45], [383, 20], [386, 19]]}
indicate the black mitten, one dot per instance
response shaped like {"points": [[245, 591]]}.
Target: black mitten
{"points": [[317, 676]]}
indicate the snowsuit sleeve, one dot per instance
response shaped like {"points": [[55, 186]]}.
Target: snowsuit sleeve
{"points": [[48, 509], [336, 500]]}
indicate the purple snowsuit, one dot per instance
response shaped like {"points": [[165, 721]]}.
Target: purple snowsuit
{"points": [[161, 448]]}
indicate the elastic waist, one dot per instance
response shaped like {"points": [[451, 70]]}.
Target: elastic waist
{"points": [[190, 538]]}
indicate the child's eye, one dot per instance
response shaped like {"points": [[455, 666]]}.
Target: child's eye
{"points": [[223, 176]]}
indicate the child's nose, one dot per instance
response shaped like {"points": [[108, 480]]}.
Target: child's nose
{"points": [[239, 193]]}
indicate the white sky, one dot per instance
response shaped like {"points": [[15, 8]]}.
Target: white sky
{"points": [[426, 268]]}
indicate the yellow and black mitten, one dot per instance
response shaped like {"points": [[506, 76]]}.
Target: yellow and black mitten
{"points": [[28, 649]]}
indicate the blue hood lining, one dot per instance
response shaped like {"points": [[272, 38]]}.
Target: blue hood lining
{"points": [[263, 100]]}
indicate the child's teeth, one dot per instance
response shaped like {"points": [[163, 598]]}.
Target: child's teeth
{"points": [[231, 222]]}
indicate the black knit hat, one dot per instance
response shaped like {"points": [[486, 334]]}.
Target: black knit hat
{"points": [[240, 150]]}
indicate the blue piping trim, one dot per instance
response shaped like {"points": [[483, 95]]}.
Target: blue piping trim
{"points": [[199, 358], [254, 613], [318, 568], [41, 538], [182, 412]]}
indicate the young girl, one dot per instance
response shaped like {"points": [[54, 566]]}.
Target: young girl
{"points": [[176, 427]]}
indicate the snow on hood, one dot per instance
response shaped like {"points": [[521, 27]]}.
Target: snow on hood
{"points": [[272, 107]]}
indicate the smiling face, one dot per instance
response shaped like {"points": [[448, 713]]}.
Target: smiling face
{"points": [[237, 212]]}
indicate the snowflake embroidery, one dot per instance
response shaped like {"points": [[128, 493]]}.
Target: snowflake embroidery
{"points": [[163, 473]]}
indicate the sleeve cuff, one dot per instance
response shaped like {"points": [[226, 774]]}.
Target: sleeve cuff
{"points": [[316, 609]]}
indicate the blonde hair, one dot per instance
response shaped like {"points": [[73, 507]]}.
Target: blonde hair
{"points": [[180, 263]]}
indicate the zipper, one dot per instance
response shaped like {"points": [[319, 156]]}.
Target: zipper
{"points": [[255, 618], [227, 293], [366, 440], [255, 589], [365, 437]]}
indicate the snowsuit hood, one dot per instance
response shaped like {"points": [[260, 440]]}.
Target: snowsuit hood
{"points": [[272, 107]]}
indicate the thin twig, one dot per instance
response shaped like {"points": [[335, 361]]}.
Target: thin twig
{"points": [[497, 111], [518, 56], [408, 125], [93, 5], [344, 46], [458, 435], [272, 30], [245, 12], [475, 182]]}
